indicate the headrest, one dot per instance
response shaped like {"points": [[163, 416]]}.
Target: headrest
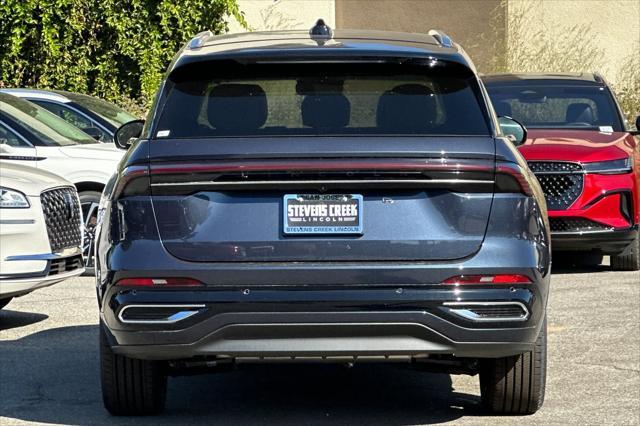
{"points": [[503, 109], [326, 111], [237, 107], [580, 113], [406, 108]]}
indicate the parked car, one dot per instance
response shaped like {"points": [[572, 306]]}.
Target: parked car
{"points": [[31, 135], [337, 197], [587, 161], [92, 115], [40, 230]]}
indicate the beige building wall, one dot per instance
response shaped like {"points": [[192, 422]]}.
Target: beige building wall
{"points": [[613, 25], [284, 14], [482, 27], [463, 20]]}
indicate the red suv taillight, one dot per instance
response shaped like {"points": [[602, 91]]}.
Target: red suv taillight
{"points": [[159, 282], [488, 279]]}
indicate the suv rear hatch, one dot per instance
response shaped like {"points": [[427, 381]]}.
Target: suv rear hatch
{"points": [[304, 162]]}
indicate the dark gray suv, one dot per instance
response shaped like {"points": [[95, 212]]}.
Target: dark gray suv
{"points": [[334, 197]]}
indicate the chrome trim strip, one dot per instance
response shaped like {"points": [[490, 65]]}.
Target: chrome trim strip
{"points": [[570, 172], [601, 231], [620, 171], [425, 182], [467, 314], [17, 221], [47, 256], [189, 311]]}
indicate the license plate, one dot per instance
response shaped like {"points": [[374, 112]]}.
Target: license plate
{"points": [[323, 214]]}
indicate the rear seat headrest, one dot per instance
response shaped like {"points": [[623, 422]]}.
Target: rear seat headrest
{"points": [[503, 109], [407, 108], [237, 107], [580, 112], [326, 111]]}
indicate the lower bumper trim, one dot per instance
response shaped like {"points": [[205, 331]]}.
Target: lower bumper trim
{"points": [[607, 242], [323, 340]]}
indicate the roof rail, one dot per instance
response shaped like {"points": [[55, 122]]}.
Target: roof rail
{"points": [[598, 77], [199, 39], [443, 39]]}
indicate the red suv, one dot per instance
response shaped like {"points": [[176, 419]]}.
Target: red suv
{"points": [[587, 161]]}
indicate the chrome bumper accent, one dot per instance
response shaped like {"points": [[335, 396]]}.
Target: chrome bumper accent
{"points": [[186, 311], [47, 256], [465, 310]]}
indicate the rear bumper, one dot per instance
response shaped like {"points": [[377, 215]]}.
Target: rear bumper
{"points": [[613, 241], [328, 323]]}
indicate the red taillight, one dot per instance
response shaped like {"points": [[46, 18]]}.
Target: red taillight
{"points": [[159, 282], [488, 279]]}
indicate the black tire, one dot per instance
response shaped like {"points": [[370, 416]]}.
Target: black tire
{"points": [[5, 301], [131, 387], [515, 384], [89, 200], [629, 261]]}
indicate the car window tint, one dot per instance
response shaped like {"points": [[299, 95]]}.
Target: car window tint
{"points": [[68, 115], [314, 99], [9, 138], [539, 106], [45, 126], [73, 117], [113, 114]]}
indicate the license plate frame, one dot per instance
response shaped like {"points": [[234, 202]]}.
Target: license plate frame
{"points": [[326, 220]]}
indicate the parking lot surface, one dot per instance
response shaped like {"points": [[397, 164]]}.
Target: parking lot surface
{"points": [[49, 370]]}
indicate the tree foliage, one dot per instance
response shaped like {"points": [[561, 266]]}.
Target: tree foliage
{"points": [[115, 49]]}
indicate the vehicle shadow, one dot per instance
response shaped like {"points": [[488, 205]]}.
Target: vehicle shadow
{"points": [[564, 265], [13, 319], [52, 377]]}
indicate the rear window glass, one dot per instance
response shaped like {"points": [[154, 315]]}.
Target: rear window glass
{"points": [[539, 106], [321, 99]]}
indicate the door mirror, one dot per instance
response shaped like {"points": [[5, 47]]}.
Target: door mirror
{"points": [[637, 132], [94, 132], [127, 133], [513, 130]]}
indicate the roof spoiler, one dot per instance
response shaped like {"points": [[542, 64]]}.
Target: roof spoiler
{"points": [[442, 39]]}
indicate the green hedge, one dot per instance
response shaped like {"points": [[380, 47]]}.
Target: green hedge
{"points": [[115, 49]]}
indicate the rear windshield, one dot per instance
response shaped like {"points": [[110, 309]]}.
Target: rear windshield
{"points": [[321, 99], [552, 106]]}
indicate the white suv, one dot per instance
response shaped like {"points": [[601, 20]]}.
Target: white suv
{"points": [[31, 135], [40, 230]]}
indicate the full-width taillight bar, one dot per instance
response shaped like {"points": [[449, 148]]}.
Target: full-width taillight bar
{"points": [[386, 164]]}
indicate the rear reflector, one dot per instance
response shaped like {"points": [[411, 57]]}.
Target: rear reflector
{"points": [[488, 279], [159, 282]]}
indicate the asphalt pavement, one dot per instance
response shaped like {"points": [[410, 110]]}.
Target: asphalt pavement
{"points": [[49, 370]]}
